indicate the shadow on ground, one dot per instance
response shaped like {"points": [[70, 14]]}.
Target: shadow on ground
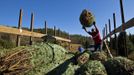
{"points": [[59, 70]]}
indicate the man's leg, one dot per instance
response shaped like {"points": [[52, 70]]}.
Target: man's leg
{"points": [[95, 47], [99, 46]]}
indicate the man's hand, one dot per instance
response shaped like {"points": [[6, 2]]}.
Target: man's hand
{"points": [[94, 23], [83, 27]]}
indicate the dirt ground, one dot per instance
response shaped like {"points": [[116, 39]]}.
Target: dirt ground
{"points": [[74, 47], [131, 56]]}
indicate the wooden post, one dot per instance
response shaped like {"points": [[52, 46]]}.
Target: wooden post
{"points": [[103, 34], [68, 36], [55, 34], [109, 32], [45, 27], [58, 33], [54, 30], [115, 36], [19, 27], [122, 14], [69, 42], [106, 30], [123, 30], [31, 28], [109, 27]]}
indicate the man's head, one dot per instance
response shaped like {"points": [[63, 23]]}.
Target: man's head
{"points": [[92, 30]]}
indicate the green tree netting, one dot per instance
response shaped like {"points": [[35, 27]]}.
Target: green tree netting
{"points": [[32, 60], [86, 18], [119, 66], [100, 56], [92, 68], [52, 59]]}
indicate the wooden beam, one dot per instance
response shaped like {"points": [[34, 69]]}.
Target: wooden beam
{"points": [[62, 39], [127, 25], [15, 31]]}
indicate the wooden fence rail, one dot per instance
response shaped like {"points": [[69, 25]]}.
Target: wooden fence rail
{"points": [[127, 25], [15, 31]]}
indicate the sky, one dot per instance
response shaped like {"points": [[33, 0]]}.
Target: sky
{"points": [[64, 14]]}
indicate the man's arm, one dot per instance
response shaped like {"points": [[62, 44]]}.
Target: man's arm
{"points": [[95, 27], [86, 30]]}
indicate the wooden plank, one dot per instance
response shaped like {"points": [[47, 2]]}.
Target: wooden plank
{"points": [[127, 25], [10, 30], [62, 39]]}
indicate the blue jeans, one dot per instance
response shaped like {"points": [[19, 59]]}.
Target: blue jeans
{"points": [[97, 46]]}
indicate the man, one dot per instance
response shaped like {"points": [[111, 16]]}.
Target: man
{"points": [[96, 37]]}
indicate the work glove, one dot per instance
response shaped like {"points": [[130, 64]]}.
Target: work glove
{"points": [[83, 27], [94, 23]]}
